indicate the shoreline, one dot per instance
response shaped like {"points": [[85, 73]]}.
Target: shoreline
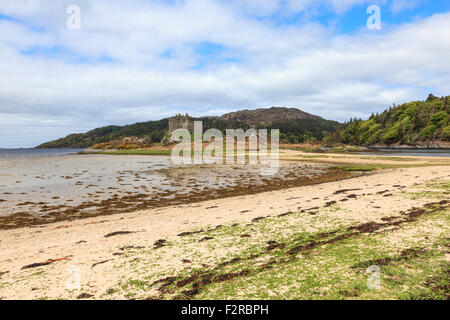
{"points": [[306, 169]]}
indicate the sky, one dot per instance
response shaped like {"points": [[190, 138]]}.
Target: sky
{"points": [[140, 60]]}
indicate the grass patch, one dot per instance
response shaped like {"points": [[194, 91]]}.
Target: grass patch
{"points": [[330, 265]]}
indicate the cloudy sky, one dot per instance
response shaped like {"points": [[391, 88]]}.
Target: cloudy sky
{"points": [[138, 60]]}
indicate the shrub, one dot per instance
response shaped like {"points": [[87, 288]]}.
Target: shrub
{"points": [[391, 135], [446, 133], [439, 116], [428, 131]]}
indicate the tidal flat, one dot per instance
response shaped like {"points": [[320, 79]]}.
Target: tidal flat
{"points": [[40, 190]]}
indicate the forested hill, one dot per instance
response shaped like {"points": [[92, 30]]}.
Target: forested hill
{"points": [[153, 129], [413, 123], [295, 126]]}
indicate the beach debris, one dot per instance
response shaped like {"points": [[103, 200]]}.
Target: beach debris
{"points": [[205, 239], [183, 234], [63, 227], [44, 263], [215, 228], [258, 219], [131, 247], [112, 234], [81, 241], [2, 273], [329, 203], [27, 203], [245, 235], [267, 265], [226, 263], [245, 211], [272, 245], [345, 190], [190, 293], [212, 207], [96, 222], [85, 296], [186, 261], [405, 255], [100, 262], [199, 280], [159, 243]]}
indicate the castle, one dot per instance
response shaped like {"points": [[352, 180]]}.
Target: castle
{"points": [[181, 122]]}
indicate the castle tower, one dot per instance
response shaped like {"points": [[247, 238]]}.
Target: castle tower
{"points": [[181, 122]]}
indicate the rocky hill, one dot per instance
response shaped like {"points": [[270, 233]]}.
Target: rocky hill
{"points": [[264, 117]]}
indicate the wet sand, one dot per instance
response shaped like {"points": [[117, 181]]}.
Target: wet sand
{"points": [[44, 190]]}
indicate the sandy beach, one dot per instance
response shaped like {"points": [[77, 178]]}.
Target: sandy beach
{"points": [[191, 250]]}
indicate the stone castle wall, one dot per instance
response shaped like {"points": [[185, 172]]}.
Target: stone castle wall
{"points": [[181, 122]]}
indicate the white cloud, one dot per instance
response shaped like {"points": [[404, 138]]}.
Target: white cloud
{"points": [[307, 66], [401, 5]]}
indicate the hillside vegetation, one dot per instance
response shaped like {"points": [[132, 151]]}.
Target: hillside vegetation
{"points": [[412, 123], [415, 123], [295, 126], [153, 129]]}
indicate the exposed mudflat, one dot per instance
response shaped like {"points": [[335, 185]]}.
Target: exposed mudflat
{"points": [[39, 190]]}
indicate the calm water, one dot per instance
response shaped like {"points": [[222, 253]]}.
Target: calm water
{"points": [[409, 152], [33, 152], [61, 176]]}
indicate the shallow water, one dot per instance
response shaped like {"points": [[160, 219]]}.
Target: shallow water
{"points": [[409, 152], [46, 186], [61, 179], [33, 152]]}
